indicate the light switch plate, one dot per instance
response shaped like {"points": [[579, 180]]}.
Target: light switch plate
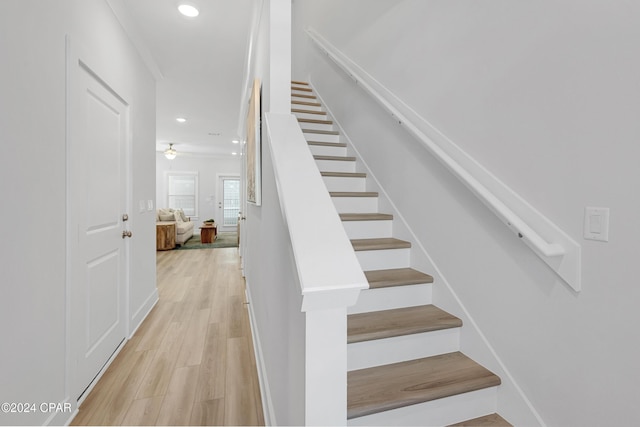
{"points": [[596, 224], [149, 205], [141, 207]]}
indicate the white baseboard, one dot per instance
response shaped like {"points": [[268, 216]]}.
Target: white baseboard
{"points": [[267, 403], [142, 312]]}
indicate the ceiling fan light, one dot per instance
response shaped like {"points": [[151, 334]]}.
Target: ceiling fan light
{"points": [[170, 153]]}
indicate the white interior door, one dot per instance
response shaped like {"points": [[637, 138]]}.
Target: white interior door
{"points": [[98, 249], [228, 202]]}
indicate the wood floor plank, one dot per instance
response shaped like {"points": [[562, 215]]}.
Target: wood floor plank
{"points": [[180, 397], [382, 388], [379, 244], [208, 413], [157, 377], [365, 217], [491, 420], [193, 344], [212, 378], [240, 407], [397, 322], [143, 412], [396, 277]]}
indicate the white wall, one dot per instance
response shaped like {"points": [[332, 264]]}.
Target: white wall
{"points": [[545, 95], [208, 169], [269, 268], [32, 125]]}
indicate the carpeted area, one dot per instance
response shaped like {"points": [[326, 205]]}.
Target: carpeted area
{"points": [[224, 240]]}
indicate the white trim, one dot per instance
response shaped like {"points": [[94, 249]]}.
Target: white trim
{"points": [[556, 248], [268, 410], [145, 308]]}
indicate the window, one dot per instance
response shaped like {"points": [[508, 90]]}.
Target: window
{"points": [[182, 192]]}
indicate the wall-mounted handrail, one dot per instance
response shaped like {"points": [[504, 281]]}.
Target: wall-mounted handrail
{"points": [[549, 242]]}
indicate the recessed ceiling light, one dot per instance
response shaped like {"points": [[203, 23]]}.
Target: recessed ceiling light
{"points": [[234, 153], [235, 141], [181, 119], [188, 10]]}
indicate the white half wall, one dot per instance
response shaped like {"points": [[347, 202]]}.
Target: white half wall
{"points": [[545, 96]]}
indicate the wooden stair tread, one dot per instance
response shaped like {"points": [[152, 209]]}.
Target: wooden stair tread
{"points": [[298, 110], [344, 174], [321, 132], [365, 217], [304, 89], [309, 103], [491, 420], [300, 95], [397, 385], [379, 244], [376, 325], [315, 121], [396, 277], [338, 158], [297, 82], [353, 193], [328, 144]]}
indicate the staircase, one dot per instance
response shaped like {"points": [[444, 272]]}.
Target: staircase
{"points": [[404, 363]]}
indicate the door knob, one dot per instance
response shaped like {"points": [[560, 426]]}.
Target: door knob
{"points": [[126, 233]]}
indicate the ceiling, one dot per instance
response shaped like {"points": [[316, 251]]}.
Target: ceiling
{"points": [[199, 64]]}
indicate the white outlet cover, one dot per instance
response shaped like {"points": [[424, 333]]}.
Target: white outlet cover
{"points": [[596, 224]]}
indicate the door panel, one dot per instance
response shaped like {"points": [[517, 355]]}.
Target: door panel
{"points": [[229, 203], [98, 188]]}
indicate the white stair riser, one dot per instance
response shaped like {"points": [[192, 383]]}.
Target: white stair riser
{"points": [[392, 297], [309, 115], [335, 183], [440, 412], [295, 92], [399, 349], [383, 259], [324, 150], [368, 229], [336, 165], [314, 115], [309, 136], [356, 204], [302, 96], [317, 126]]}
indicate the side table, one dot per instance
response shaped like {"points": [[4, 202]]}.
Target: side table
{"points": [[208, 233], [165, 235]]}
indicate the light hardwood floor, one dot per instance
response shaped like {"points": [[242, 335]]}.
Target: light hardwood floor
{"points": [[191, 362]]}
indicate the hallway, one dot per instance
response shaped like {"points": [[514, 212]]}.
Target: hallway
{"points": [[191, 362]]}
